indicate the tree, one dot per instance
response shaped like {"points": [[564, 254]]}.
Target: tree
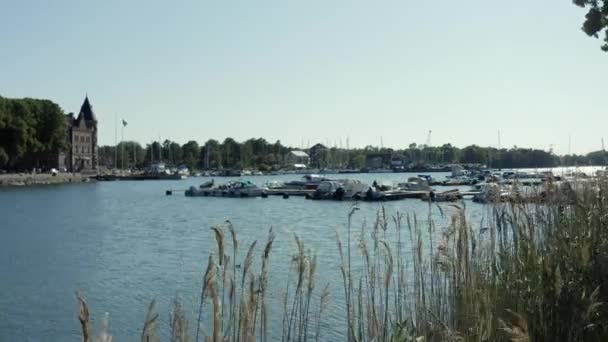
{"points": [[448, 153], [232, 153], [473, 155], [3, 158], [247, 153], [106, 156], [596, 19], [153, 152], [191, 152], [130, 154], [172, 152], [30, 131], [598, 157], [211, 155]]}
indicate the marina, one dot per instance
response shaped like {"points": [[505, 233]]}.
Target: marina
{"points": [[483, 187]]}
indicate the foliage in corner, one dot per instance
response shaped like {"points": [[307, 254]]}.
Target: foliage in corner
{"points": [[596, 19]]}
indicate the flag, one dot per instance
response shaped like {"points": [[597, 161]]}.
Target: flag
{"points": [[124, 123]]}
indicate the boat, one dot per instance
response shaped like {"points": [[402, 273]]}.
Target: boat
{"points": [[415, 184], [384, 193], [446, 196], [491, 193], [458, 181], [206, 185], [340, 190], [457, 171], [309, 181], [429, 178], [231, 189], [275, 184], [158, 171]]}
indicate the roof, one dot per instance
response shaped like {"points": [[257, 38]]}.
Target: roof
{"points": [[301, 154], [86, 111], [318, 146]]}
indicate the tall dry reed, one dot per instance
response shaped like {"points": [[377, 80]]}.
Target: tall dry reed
{"points": [[529, 271]]}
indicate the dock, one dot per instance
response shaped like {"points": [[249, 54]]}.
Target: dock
{"points": [[394, 195], [289, 192], [137, 177]]}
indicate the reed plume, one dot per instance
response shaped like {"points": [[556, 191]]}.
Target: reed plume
{"points": [[264, 285], [149, 332], [179, 323], [84, 317]]}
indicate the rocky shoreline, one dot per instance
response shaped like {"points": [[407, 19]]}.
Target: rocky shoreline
{"points": [[25, 179]]}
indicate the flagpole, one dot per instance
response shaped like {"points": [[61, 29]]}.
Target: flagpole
{"points": [[122, 147], [115, 141]]}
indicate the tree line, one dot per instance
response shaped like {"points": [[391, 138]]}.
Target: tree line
{"points": [[31, 131], [229, 154], [259, 154]]}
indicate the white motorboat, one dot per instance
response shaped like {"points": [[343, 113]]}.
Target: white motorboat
{"points": [[231, 189], [309, 181], [340, 190], [415, 184]]}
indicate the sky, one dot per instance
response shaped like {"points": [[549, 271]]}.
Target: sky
{"points": [[302, 72]]}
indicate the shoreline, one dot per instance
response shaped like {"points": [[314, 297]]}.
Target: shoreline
{"points": [[26, 179]]}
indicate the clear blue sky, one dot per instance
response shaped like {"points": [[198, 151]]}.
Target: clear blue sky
{"points": [[316, 70]]}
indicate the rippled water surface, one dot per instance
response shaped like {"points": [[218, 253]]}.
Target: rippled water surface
{"points": [[125, 243]]}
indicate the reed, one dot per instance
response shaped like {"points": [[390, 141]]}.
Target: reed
{"points": [[149, 332], [84, 317], [179, 323], [526, 272]]}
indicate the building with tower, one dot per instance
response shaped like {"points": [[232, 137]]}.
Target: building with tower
{"points": [[82, 154]]}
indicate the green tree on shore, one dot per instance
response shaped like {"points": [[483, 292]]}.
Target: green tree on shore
{"points": [[191, 153], [31, 130], [3, 158]]}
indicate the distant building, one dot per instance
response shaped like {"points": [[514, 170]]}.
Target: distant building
{"points": [[299, 158], [378, 160], [317, 154], [399, 161], [82, 155]]}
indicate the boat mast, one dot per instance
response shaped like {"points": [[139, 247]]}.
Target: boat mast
{"points": [[498, 154], [160, 157], [115, 142], [151, 153], [169, 154], [604, 153], [207, 157], [347, 152]]}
